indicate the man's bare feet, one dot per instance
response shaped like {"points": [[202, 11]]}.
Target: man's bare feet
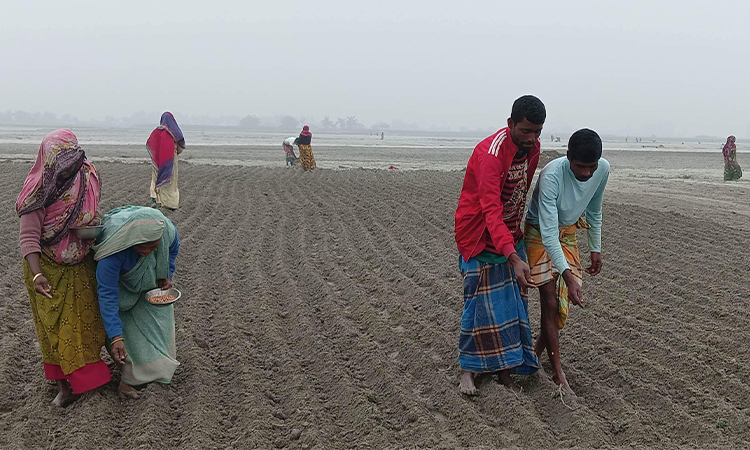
{"points": [[466, 386], [504, 378], [127, 390]]}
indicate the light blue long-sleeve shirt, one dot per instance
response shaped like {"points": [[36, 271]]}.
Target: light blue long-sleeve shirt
{"points": [[559, 200], [108, 272]]}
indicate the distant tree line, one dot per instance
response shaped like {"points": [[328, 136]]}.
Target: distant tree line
{"points": [[349, 123], [250, 122]]}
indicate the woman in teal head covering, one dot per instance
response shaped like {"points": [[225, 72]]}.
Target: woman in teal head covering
{"points": [[137, 253]]}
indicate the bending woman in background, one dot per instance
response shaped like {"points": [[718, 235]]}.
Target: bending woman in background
{"points": [[62, 191], [305, 149], [137, 253], [164, 145], [732, 169]]}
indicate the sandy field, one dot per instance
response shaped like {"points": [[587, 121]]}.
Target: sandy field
{"points": [[328, 303]]}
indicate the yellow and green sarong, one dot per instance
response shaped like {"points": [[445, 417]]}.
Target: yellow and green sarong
{"points": [[542, 269], [68, 325]]}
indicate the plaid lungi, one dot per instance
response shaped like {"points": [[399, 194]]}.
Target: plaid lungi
{"points": [[495, 332]]}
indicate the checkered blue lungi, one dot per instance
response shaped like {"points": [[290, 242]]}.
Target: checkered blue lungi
{"points": [[495, 332]]}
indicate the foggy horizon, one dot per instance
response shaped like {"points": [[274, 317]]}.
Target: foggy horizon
{"points": [[621, 69]]}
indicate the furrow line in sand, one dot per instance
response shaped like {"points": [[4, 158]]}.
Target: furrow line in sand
{"points": [[684, 339], [227, 277], [653, 275], [691, 305], [272, 269], [216, 298], [195, 313], [258, 319], [451, 391], [374, 232], [649, 390], [357, 334], [335, 383]]}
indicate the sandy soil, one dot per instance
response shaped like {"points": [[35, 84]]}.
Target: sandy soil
{"points": [[329, 302]]}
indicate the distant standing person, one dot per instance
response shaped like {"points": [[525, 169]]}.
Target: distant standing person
{"points": [[732, 169], [382, 135], [164, 145], [305, 149], [567, 188], [495, 334]]}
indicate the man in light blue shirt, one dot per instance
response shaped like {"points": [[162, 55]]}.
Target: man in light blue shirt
{"points": [[567, 188]]}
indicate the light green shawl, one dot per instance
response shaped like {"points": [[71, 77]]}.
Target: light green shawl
{"points": [[148, 330]]}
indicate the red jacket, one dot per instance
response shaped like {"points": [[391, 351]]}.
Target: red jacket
{"points": [[480, 206]]}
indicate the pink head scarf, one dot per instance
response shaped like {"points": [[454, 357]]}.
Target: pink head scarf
{"points": [[306, 131], [728, 148], [73, 203]]}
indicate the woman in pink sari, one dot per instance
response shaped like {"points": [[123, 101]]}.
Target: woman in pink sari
{"points": [[732, 169], [62, 191], [164, 145]]}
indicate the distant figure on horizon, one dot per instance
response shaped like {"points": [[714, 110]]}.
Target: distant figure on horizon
{"points": [[164, 145], [495, 334], [382, 135], [626, 139], [732, 170], [288, 145], [552, 138], [305, 149]]}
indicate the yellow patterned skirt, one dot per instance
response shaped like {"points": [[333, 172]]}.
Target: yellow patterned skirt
{"points": [[68, 325], [306, 157]]}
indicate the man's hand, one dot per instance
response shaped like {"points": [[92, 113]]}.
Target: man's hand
{"points": [[596, 264], [521, 269], [165, 284], [118, 351], [575, 293]]}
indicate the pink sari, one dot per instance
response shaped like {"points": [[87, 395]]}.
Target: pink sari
{"points": [[74, 204], [728, 150]]}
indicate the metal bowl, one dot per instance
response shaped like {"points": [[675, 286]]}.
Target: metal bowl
{"points": [[156, 292], [88, 232]]}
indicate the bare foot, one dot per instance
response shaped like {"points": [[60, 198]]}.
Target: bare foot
{"points": [[127, 390], [64, 399], [466, 386], [504, 378]]}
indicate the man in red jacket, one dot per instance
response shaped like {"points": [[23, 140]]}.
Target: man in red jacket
{"points": [[495, 332]]}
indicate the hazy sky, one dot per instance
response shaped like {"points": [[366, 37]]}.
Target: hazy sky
{"points": [[630, 67]]}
